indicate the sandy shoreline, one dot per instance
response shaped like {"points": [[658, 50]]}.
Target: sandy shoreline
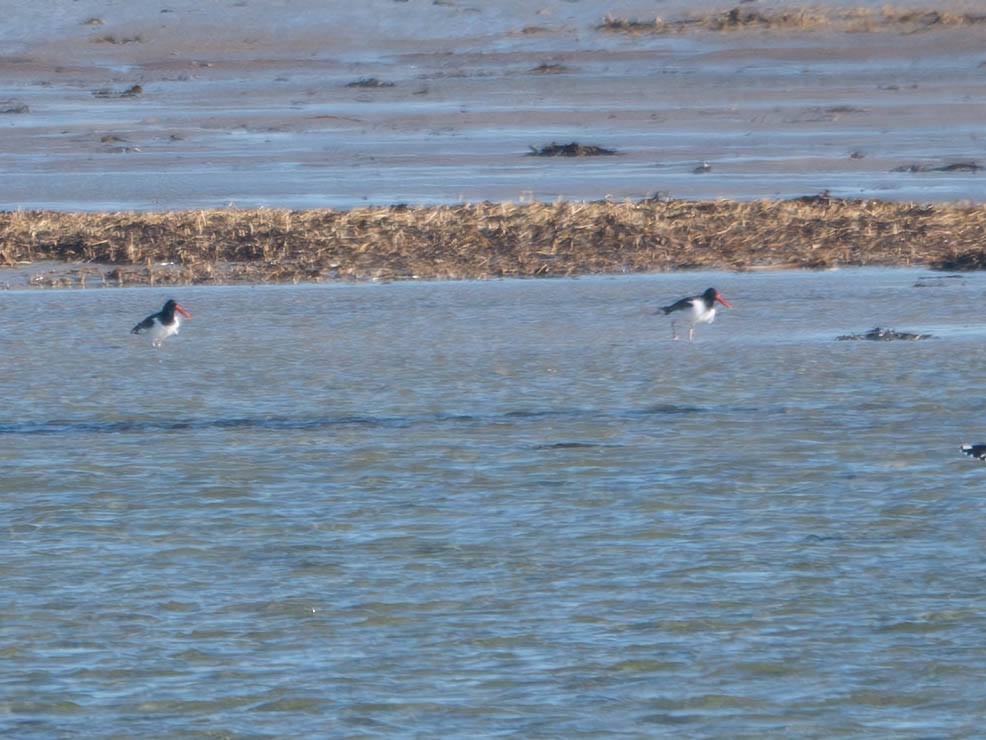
{"points": [[481, 241]]}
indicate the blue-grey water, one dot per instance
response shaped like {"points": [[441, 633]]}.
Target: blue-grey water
{"points": [[509, 508]]}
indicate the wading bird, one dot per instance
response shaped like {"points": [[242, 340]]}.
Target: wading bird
{"points": [[699, 309], [162, 324], [977, 451]]}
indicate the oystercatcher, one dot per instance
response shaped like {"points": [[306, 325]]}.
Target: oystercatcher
{"points": [[977, 451], [700, 309], [162, 324]]}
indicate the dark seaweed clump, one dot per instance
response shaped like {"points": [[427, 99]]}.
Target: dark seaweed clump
{"points": [[573, 149], [370, 82], [954, 167], [884, 335], [965, 261]]}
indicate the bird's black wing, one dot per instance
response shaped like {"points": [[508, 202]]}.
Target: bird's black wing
{"points": [[683, 304], [145, 324]]}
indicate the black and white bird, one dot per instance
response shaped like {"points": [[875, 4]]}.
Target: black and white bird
{"points": [[162, 324], [699, 309], [977, 451]]}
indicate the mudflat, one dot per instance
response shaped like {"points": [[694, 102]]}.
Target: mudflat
{"points": [[287, 141]]}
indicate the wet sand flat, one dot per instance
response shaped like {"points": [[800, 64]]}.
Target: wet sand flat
{"points": [[291, 104]]}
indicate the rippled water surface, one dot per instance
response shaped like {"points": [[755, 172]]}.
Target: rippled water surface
{"points": [[499, 508]]}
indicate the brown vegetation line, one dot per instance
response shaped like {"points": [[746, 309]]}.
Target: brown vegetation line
{"points": [[846, 20], [491, 240]]}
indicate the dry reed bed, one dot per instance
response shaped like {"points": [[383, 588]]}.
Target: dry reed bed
{"points": [[807, 18], [490, 240]]}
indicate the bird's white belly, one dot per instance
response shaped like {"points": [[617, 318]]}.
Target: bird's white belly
{"points": [[702, 315], [160, 331]]}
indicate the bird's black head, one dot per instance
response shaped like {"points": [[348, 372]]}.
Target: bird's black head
{"points": [[168, 312], [712, 295]]}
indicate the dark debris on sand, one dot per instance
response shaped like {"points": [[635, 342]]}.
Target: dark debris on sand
{"points": [[573, 149], [953, 167], [884, 335]]}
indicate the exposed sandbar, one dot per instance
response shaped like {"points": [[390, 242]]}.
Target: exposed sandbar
{"points": [[482, 240]]}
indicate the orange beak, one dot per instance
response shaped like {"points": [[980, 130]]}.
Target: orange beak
{"points": [[185, 313], [719, 298]]}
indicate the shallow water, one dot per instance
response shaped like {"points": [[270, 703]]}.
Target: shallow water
{"points": [[499, 508]]}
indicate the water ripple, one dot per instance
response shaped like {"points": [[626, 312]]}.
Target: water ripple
{"points": [[66, 427]]}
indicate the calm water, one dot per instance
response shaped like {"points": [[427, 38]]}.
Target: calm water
{"points": [[495, 509]]}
